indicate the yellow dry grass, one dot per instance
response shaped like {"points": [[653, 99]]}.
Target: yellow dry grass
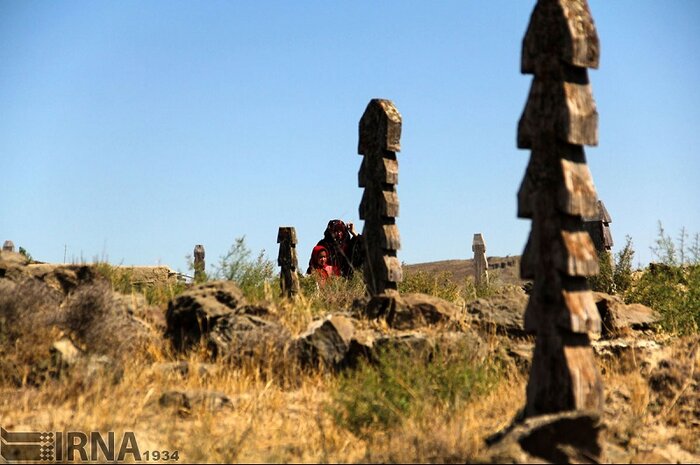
{"points": [[264, 423]]}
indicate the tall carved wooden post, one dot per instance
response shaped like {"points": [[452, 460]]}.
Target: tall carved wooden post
{"points": [[380, 139], [199, 274], [598, 227], [8, 246], [481, 266], [287, 260], [559, 118]]}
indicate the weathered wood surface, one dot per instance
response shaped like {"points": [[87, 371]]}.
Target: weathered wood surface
{"points": [[557, 192], [379, 140], [199, 263], [598, 226], [481, 266], [288, 261]]}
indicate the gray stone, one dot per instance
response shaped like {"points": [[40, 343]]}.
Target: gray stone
{"points": [[185, 368], [569, 437], [236, 337], [618, 318], [190, 315], [413, 310], [186, 401], [326, 342], [499, 315]]}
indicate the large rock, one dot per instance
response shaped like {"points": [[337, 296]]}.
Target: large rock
{"points": [[215, 314], [326, 342], [62, 278], [499, 315], [66, 359], [191, 315], [238, 336], [412, 311], [619, 318], [12, 265], [140, 311], [569, 437]]}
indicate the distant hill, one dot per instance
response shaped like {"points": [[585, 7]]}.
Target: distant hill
{"points": [[504, 270]]}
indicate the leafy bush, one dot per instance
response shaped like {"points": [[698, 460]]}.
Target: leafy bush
{"points": [[252, 276], [622, 274], [614, 277], [674, 292], [603, 281], [401, 385], [671, 287]]}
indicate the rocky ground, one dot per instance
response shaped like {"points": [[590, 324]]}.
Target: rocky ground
{"points": [[221, 378]]}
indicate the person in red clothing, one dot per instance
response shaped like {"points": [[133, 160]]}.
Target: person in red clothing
{"points": [[320, 267], [344, 247]]}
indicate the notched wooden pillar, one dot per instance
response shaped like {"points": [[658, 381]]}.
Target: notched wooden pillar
{"points": [[481, 266], [560, 117], [379, 140], [199, 264], [598, 227], [287, 260]]}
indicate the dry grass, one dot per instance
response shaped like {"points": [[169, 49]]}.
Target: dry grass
{"points": [[288, 415], [265, 423]]}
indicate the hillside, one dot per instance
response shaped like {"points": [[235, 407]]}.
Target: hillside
{"points": [[503, 270], [216, 373]]}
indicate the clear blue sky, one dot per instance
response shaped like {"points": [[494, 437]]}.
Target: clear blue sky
{"points": [[133, 130]]}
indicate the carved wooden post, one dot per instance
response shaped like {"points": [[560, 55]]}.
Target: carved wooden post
{"points": [[559, 118], [380, 139], [598, 227], [287, 260], [8, 246], [199, 274], [481, 266]]}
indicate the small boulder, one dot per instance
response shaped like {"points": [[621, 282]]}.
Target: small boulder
{"points": [[411, 311], [184, 368], [567, 437], [414, 342], [499, 315], [186, 401], [619, 318], [190, 315], [326, 341], [235, 337]]}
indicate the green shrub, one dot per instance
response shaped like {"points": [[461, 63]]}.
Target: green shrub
{"points": [[25, 254], [674, 292], [401, 385], [622, 274], [253, 276], [603, 281], [671, 287]]}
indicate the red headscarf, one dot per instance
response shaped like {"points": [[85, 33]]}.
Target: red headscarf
{"points": [[323, 271], [315, 253]]}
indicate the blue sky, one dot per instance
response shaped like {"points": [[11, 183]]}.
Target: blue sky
{"points": [[133, 130]]}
